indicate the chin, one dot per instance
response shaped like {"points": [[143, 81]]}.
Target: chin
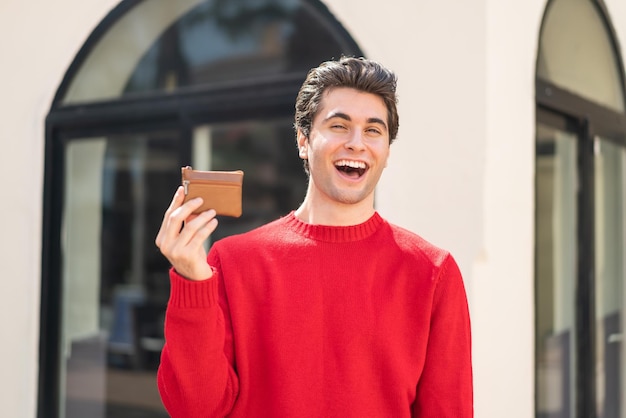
{"points": [[349, 198]]}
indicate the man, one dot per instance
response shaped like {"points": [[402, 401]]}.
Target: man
{"points": [[329, 311]]}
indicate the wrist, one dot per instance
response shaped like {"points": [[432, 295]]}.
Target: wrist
{"points": [[196, 276]]}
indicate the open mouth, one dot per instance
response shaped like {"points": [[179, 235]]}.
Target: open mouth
{"points": [[353, 169]]}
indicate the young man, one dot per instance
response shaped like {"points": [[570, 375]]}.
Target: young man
{"points": [[329, 311]]}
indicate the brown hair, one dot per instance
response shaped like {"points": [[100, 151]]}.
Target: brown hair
{"points": [[357, 73]]}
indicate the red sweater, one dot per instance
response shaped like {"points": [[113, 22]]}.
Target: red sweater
{"points": [[316, 321]]}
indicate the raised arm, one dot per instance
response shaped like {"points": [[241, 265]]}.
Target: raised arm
{"points": [[195, 378]]}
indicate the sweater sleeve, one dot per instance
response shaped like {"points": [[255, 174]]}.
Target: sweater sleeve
{"points": [[196, 378], [445, 388]]}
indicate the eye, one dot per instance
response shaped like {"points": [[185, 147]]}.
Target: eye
{"points": [[338, 126], [374, 131]]}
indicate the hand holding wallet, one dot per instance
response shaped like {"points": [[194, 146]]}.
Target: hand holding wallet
{"points": [[219, 190]]}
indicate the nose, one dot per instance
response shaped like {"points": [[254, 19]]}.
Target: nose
{"points": [[355, 141]]}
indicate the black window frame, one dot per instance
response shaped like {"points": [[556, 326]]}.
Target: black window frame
{"points": [[562, 109], [266, 97]]}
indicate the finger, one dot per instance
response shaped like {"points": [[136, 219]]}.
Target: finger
{"points": [[195, 231], [176, 219], [190, 260], [202, 234], [191, 218], [177, 200], [173, 220], [187, 253]]}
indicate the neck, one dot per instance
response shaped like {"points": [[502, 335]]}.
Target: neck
{"points": [[315, 210]]}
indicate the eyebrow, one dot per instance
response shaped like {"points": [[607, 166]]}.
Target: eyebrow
{"points": [[344, 116]]}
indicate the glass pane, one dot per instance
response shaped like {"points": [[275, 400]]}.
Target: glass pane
{"points": [[105, 72], [161, 45], [115, 280], [610, 195], [576, 53], [274, 180], [556, 273]]}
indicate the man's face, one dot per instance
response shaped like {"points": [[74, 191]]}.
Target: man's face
{"points": [[348, 146]]}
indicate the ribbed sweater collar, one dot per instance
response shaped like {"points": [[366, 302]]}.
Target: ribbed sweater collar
{"points": [[336, 234]]}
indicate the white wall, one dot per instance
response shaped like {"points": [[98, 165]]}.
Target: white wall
{"points": [[461, 173], [503, 283], [617, 13], [466, 152], [38, 42]]}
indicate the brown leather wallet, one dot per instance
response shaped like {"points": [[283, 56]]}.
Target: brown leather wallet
{"points": [[219, 190]]}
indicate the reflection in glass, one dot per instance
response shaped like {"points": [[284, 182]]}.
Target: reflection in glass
{"points": [[577, 54], [115, 283], [161, 46], [610, 195], [83, 342], [117, 187], [556, 274], [115, 280], [274, 180]]}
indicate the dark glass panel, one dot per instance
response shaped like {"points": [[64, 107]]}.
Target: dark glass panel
{"points": [[220, 41]]}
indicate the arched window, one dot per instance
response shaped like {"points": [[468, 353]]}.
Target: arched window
{"points": [[158, 85], [580, 209]]}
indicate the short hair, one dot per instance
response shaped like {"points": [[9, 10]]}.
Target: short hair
{"points": [[358, 73]]}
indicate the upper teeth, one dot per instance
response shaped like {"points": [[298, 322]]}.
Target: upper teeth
{"points": [[352, 164]]}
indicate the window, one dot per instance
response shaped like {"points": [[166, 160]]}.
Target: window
{"points": [[159, 85], [579, 227]]}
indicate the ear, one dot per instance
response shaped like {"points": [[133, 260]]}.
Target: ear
{"points": [[303, 145]]}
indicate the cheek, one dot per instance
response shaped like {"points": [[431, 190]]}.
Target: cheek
{"points": [[383, 154]]}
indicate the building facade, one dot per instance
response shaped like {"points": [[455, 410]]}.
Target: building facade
{"points": [[511, 154]]}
